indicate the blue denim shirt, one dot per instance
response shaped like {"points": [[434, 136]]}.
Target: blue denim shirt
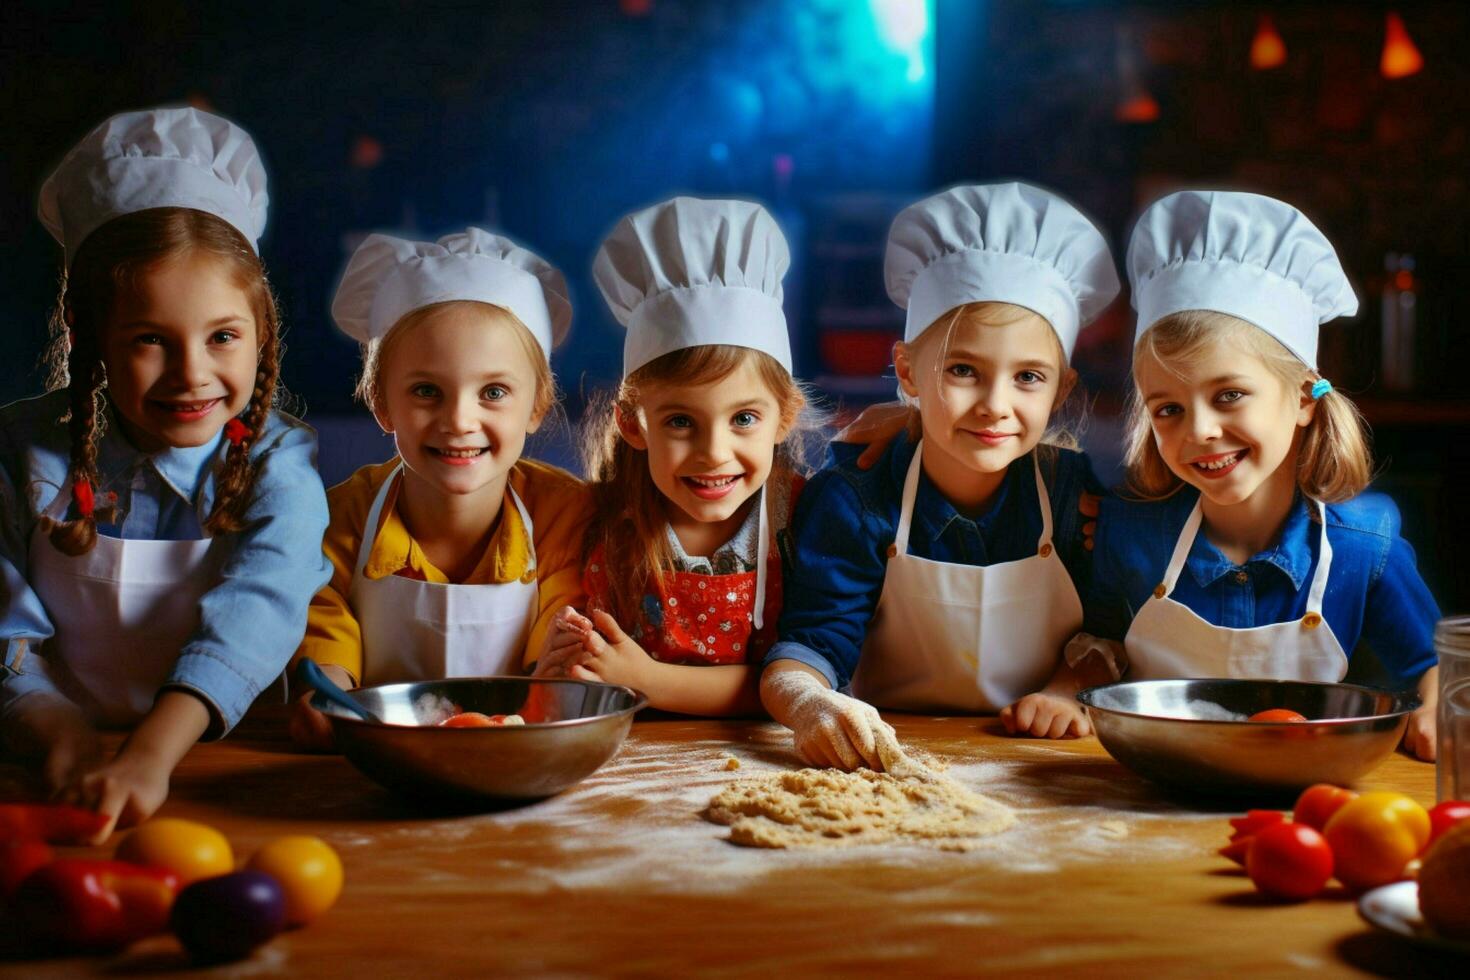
{"points": [[250, 623], [837, 549], [1374, 591]]}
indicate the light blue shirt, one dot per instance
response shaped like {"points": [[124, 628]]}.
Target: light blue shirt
{"points": [[250, 623]]}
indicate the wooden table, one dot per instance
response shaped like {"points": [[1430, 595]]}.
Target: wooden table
{"points": [[1104, 875]]}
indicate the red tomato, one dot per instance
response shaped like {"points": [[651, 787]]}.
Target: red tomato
{"points": [[1318, 803], [1277, 714], [1445, 816], [1254, 822], [1375, 836], [1236, 850], [468, 719], [1289, 860]]}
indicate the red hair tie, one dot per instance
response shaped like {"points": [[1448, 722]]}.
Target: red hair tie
{"points": [[235, 431], [81, 492]]}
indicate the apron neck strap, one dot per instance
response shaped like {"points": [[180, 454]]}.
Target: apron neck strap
{"points": [[375, 514], [762, 551], [1181, 549], [1324, 562], [906, 502], [911, 490], [56, 510], [1044, 499]]}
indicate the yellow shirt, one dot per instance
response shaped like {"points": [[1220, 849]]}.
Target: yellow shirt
{"points": [[559, 508]]}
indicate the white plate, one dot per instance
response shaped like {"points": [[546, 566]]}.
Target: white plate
{"points": [[1396, 908]]}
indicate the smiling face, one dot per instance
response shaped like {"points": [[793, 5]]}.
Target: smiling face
{"points": [[181, 352], [710, 448], [458, 389], [987, 381], [1223, 422]]}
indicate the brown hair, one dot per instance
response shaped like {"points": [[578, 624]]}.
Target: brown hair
{"points": [[375, 352], [628, 511], [1068, 417], [113, 258], [1334, 460]]}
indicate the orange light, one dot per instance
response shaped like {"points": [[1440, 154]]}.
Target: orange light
{"points": [[1400, 57], [1141, 108], [1267, 49]]}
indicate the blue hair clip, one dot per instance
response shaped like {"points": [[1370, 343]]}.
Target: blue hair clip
{"points": [[1320, 387]]}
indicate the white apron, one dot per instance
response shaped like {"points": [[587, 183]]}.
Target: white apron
{"points": [[949, 637], [1168, 640], [413, 630], [121, 612]]}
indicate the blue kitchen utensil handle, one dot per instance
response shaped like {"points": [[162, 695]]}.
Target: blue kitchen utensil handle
{"points": [[309, 674]]}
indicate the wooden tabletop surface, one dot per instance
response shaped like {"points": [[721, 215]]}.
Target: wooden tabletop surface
{"points": [[1103, 875]]}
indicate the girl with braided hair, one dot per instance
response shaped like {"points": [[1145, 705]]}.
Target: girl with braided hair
{"points": [[160, 523]]}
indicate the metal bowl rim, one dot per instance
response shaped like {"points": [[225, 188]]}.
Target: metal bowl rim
{"points": [[1407, 702], [640, 701]]}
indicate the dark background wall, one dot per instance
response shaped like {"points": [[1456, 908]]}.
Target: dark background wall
{"points": [[549, 120]]}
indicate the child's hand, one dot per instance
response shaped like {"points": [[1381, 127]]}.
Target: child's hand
{"points": [[1420, 737], [1046, 716], [877, 426], [611, 656], [562, 648], [831, 729], [310, 729], [55, 732], [126, 790]]}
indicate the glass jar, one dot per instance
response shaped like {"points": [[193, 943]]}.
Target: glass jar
{"points": [[1452, 644]]}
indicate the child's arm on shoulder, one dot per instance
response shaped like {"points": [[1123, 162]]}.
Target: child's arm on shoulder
{"points": [[611, 656], [252, 621]]}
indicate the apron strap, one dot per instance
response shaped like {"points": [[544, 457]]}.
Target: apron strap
{"points": [[1181, 550], [1045, 499], [906, 505], [56, 510], [762, 551], [370, 529], [1324, 566], [375, 513]]}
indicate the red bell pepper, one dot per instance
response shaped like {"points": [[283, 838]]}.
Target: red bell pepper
{"points": [[55, 823], [18, 858], [80, 904]]}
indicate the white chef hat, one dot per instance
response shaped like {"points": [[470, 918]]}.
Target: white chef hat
{"points": [[156, 158], [388, 278], [1004, 243], [690, 272], [1250, 256]]}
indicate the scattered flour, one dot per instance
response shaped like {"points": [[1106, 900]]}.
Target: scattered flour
{"points": [[635, 823]]}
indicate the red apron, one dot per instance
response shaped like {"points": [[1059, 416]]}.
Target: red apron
{"points": [[698, 619]]}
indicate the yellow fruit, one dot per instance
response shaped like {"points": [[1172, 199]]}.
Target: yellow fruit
{"points": [[309, 871], [1444, 884], [190, 850]]}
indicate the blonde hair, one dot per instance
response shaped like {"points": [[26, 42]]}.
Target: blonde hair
{"points": [[1334, 461], [112, 260], [1068, 417], [628, 511], [376, 351]]}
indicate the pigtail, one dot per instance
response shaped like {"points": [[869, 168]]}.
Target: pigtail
{"points": [[236, 476], [82, 372], [1336, 461]]}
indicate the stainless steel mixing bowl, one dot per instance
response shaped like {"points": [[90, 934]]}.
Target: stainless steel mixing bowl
{"points": [[1174, 732], [572, 728]]}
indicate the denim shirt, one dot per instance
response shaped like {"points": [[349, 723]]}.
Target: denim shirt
{"points": [[837, 551], [1374, 591], [250, 623]]}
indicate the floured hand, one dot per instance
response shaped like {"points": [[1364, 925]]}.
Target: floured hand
{"points": [[831, 729]]}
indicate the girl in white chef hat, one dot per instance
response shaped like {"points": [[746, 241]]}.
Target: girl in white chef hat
{"points": [[161, 522], [693, 463], [942, 578], [451, 559], [1254, 552]]}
